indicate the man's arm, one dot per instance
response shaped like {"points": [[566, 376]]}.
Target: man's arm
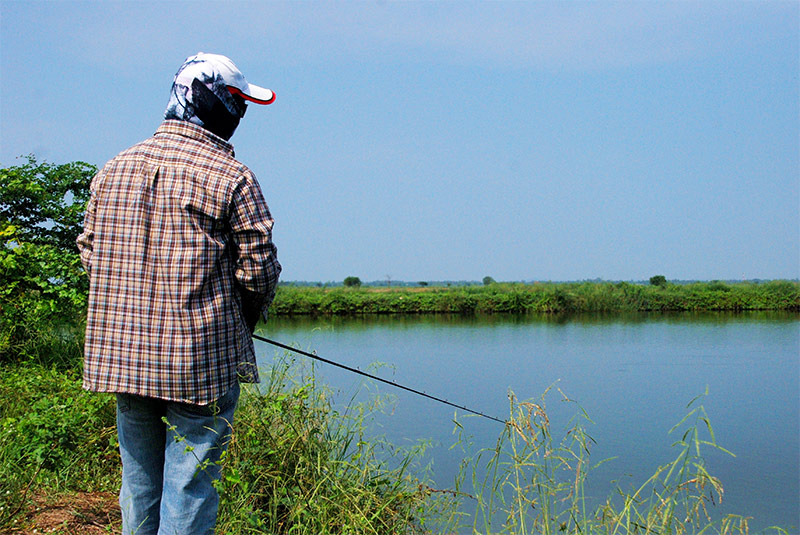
{"points": [[257, 267], [85, 240]]}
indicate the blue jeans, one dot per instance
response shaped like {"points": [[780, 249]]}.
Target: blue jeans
{"points": [[168, 470]]}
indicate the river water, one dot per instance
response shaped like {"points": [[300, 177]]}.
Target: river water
{"points": [[633, 374]]}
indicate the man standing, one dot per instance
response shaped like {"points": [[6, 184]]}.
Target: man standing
{"points": [[177, 243]]}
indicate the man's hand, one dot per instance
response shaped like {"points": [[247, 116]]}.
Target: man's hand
{"points": [[252, 305]]}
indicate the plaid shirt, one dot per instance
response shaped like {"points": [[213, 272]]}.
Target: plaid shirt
{"points": [[174, 226]]}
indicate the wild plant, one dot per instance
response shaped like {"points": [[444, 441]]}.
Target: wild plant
{"points": [[296, 465], [530, 482], [54, 437]]}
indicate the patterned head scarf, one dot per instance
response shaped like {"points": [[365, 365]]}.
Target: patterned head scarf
{"points": [[210, 92]]}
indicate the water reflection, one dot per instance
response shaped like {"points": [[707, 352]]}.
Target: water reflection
{"points": [[304, 323]]}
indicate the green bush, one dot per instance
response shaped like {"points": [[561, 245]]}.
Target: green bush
{"points": [[44, 292], [352, 282], [54, 436]]}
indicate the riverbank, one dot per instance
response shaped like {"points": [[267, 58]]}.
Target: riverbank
{"points": [[518, 298]]}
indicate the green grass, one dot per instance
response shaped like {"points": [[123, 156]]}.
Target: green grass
{"points": [[297, 466], [294, 466], [549, 298], [54, 437]]}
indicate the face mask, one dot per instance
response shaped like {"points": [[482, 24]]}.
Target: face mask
{"points": [[215, 116], [207, 103]]}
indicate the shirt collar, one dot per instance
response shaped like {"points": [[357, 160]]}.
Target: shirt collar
{"points": [[192, 131]]}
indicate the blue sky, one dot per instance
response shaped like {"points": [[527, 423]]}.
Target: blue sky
{"points": [[424, 141]]}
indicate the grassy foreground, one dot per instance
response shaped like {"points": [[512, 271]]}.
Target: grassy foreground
{"points": [[518, 298], [294, 465], [297, 466]]}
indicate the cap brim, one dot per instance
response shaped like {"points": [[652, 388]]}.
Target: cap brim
{"points": [[256, 94]]}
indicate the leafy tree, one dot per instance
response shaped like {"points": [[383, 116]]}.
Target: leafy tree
{"points": [[44, 285], [488, 280], [352, 282], [658, 280], [45, 202]]}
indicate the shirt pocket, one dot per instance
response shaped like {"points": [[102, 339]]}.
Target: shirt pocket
{"points": [[196, 235], [204, 208]]}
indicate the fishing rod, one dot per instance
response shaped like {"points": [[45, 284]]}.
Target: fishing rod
{"points": [[376, 378]]}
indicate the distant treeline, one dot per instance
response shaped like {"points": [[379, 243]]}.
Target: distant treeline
{"points": [[518, 298]]}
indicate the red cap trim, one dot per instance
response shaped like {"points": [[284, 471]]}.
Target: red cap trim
{"points": [[236, 91]]}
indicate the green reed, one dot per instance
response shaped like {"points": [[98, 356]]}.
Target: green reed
{"points": [[296, 465], [532, 482]]}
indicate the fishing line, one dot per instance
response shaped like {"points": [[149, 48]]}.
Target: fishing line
{"points": [[376, 378]]}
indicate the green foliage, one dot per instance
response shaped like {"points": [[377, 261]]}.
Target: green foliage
{"points": [[352, 282], [45, 287], [488, 280], [45, 202], [296, 466], [53, 435], [658, 280]]}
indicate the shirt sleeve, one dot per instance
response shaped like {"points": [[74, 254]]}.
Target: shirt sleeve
{"points": [[257, 268], [85, 240]]}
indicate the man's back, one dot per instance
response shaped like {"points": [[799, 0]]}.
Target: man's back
{"points": [[177, 225]]}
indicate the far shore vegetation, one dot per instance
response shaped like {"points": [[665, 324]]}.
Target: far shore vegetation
{"points": [[658, 295], [296, 464]]}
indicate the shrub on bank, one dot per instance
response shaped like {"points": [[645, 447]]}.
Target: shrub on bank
{"points": [[43, 295], [297, 466]]}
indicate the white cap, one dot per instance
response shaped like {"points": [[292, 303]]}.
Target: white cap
{"points": [[220, 68]]}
